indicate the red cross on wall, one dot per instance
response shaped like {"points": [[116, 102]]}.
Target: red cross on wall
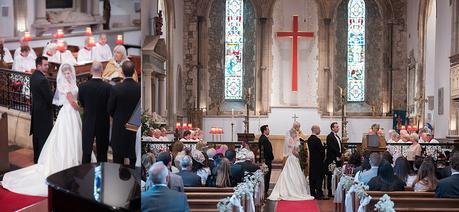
{"points": [[294, 35]]}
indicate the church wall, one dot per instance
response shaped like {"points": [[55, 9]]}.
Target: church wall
{"points": [[412, 28], [281, 85], [7, 21], [429, 59], [442, 68]]}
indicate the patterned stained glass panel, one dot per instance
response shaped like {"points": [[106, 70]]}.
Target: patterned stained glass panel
{"points": [[234, 26], [356, 51]]}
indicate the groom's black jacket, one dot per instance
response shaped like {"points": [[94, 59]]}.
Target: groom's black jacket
{"points": [[93, 96], [42, 106]]}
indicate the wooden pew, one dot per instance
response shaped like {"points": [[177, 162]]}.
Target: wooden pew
{"points": [[4, 158], [206, 198], [393, 194], [418, 204]]}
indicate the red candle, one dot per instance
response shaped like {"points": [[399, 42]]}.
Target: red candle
{"points": [[60, 33], [177, 126], [61, 46], [27, 36], [119, 40], [88, 31]]}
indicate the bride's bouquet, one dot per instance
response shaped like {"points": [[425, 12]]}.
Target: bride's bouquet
{"points": [[302, 155]]}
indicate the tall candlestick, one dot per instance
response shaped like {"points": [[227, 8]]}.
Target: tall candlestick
{"points": [[119, 40], [88, 31], [27, 36], [60, 33]]}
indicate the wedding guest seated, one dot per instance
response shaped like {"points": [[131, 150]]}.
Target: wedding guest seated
{"points": [[426, 180], [24, 43], [5, 54], [364, 166], [113, 71], [199, 166], [449, 187], [245, 158], [442, 171], [237, 174], [355, 160], [85, 53], [223, 178], [177, 153], [388, 157], [189, 178], [403, 170], [366, 176], [24, 62], [175, 182], [222, 149], [386, 180], [160, 198], [66, 56], [210, 155], [102, 51], [186, 136]]}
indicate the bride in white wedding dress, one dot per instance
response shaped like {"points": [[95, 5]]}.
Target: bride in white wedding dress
{"points": [[291, 184], [62, 149]]}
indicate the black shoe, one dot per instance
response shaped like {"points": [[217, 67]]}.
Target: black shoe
{"points": [[330, 196]]}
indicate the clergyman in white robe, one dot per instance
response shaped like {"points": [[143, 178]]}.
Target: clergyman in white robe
{"points": [[84, 55], [31, 53], [66, 57], [23, 64]]}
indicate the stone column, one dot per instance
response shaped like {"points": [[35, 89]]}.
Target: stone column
{"points": [[95, 8], [161, 96], [263, 73], [328, 78], [147, 87], [40, 12]]}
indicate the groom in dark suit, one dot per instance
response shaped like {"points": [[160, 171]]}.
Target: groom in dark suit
{"points": [[42, 106], [316, 163], [121, 104], [334, 151], [267, 153], [93, 96]]}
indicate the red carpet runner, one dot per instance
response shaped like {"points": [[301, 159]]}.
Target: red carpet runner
{"points": [[10, 201], [297, 206]]}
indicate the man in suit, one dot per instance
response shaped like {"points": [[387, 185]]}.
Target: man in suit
{"points": [[267, 153], [93, 96], [334, 150], [449, 187], [189, 178], [316, 163], [42, 106], [160, 198], [236, 175], [175, 182], [123, 99]]}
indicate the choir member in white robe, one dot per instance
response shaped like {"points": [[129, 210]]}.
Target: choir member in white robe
{"points": [[50, 44], [102, 51], [5, 55], [85, 53], [24, 62], [25, 43], [66, 56], [51, 53]]}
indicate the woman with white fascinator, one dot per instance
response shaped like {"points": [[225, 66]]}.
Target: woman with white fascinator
{"points": [[62, 149]]}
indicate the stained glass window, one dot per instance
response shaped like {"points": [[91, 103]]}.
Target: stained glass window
{"points": [[234, 29], [356, 51]]}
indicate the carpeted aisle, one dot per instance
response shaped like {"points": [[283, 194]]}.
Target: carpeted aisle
{"points": [[297, 206], [10, 201]]}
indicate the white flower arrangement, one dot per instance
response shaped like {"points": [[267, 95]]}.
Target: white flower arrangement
{"points": [[225, 205], [331, 167], [338, 172], [346, 182], [385, 204], [243, 189], [264, 168], [359, 189]]}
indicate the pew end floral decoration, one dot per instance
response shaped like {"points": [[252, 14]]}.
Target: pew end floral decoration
{"points": [[385, 204]]}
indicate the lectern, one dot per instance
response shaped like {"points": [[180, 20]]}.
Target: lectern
{"points": [[373, 143]]}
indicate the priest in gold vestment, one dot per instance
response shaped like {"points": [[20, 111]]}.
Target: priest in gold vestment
{"points": [[113, 71]]}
